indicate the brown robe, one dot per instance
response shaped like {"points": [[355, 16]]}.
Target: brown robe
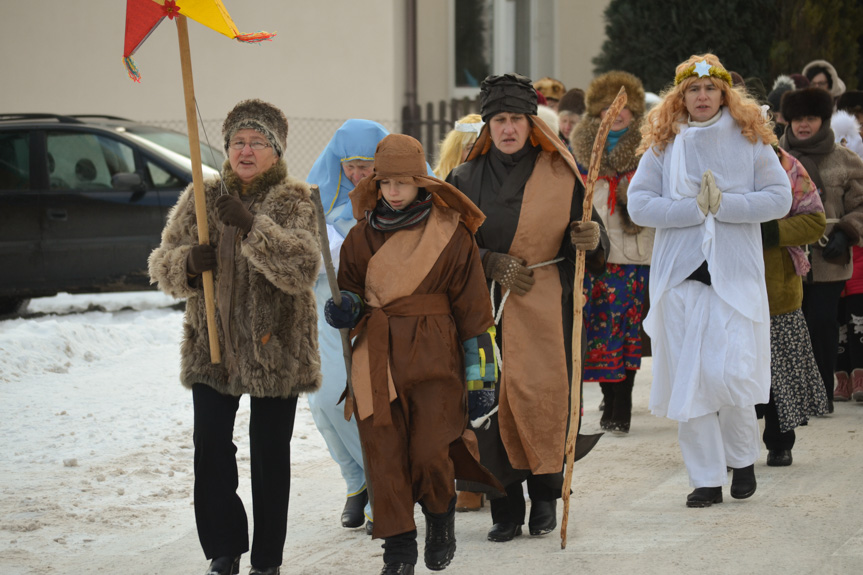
{"points": [[418, 449]]}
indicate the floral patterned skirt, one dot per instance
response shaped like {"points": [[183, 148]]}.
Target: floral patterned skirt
{"points": [[796, 386], [613, 320]]}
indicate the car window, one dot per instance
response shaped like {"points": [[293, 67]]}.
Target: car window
{"points": [[14, 161], [86, 161], [179, 143], [162, 178]]}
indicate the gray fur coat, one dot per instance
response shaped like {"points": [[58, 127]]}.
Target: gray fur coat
{"points": [[273, 314]]}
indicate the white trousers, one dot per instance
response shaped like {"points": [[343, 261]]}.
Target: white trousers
{"points": [[712, 442]]}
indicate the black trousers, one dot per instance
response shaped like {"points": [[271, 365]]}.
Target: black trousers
{"points": [[219, 513], [820, 308], [774, 439]]}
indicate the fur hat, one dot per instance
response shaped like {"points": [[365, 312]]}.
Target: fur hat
{"points": [[506, 93], [800, 81], [807, 102], [815, 67], [603, 89], [781, 84], [259, 116], [572, 101], [851, 101], [550, 88]]}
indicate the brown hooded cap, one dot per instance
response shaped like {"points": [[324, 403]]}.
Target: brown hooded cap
{"points": [[401, 158], [603, 90]]}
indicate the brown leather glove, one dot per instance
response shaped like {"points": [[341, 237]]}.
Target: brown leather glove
{"points": [[200, 259], [232, 212], [509, 272], [584, 235]]}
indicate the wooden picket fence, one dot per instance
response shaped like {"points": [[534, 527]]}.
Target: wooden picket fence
{"points": [[431, 123]]}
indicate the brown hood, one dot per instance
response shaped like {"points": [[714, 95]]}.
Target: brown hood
{"points": [[400, 157]]}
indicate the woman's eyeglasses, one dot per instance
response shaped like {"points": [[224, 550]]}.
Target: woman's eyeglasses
{"points": [[256, 145]]}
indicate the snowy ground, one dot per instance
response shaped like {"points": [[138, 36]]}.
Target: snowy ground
{"points": [[96, 474]]}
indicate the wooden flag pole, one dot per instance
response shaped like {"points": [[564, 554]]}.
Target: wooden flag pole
{"points": [[575, 385], [198, 181]]}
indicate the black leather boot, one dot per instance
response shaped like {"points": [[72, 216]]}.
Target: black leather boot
{"points": [[224, 566], [398, 569], [265, 571], [704, 497], [352, 514], [779, 457], [440, 539], [543, 517], [743, 482]]}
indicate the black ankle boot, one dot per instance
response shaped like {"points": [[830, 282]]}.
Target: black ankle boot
{"points": [[398, 569], [607, 406], [224, 566], [543, 517], [440, 539], [352, 514], [704, 497], [265, 571], [743, 482]]}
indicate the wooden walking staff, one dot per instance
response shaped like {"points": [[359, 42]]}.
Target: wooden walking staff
{"points": [[575, 386], [142, 17], [347, 348], [198, 182]]}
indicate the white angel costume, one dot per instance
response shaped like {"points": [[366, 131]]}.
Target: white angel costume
{"points": [[711, 343]]}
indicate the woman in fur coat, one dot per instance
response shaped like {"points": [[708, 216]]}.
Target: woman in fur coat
{"points": [[264, 254], [615, 297], [838, 174], [707, 178]]}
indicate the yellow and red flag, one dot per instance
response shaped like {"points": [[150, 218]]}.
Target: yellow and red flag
{"points": [[142, 17]]}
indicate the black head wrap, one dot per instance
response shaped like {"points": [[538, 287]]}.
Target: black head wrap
{"points": [[512, 93]]}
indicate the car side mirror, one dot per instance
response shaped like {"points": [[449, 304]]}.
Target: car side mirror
{"points": [[129, 181]]}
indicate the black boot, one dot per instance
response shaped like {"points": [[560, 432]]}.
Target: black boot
{"points": [[352, 514], [607, 404], [440, 538], [743, 482], [264, 571], [779, 457], [704, 497], [543, 517], [398, 569], [224, 566], [622, 413]]}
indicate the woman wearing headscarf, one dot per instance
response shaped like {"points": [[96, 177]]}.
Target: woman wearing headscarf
{"points": [[615, 298], [796, 391], [527, 184], [707, 178], [264, 253], [347, 159], [821, 74], [838, 173]]}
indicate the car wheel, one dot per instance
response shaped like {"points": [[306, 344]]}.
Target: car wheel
{"points": [[12, 305]]}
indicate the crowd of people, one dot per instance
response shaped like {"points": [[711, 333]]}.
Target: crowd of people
{"points": [[725, 225]]}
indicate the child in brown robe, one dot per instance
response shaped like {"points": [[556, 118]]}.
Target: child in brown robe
{"points": [[414, 292]]}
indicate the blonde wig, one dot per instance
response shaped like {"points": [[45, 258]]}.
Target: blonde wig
{"points": [[452, 147], [664, 119]]}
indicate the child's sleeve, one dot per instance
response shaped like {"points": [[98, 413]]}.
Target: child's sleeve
{"points": [[353, 264]]}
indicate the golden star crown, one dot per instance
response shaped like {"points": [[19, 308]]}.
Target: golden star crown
{"points": [[702, 69]]}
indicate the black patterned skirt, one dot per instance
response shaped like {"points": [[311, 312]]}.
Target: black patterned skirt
{"points": [[796, 385]]}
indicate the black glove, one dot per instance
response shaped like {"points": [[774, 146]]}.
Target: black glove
{"points": [[347, 313], [509, 272], [232, 212], [201, 258], [837, 246], [479, 402]]}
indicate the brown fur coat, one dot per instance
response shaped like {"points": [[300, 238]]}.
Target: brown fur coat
{"points": [[273, 315]]}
